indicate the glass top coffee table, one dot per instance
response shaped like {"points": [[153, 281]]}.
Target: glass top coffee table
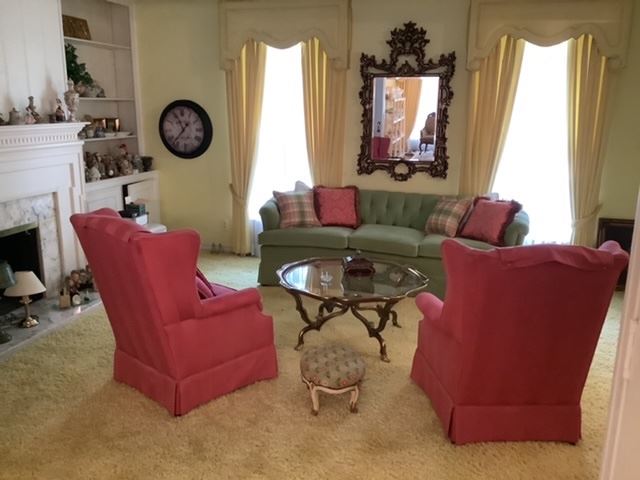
{"points": [[377, 291]]}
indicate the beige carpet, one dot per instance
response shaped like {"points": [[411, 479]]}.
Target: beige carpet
{"points": [[63, 417]]}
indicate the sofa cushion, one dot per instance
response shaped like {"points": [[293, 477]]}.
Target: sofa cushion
{"points": [[337, 206], [396, 208], [430, 245], [447, 216], [296, 209], [387, 239], [327, 237], [489, 220]]}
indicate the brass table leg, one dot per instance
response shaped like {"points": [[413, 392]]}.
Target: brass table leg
{"points": [[384, 313], [328, 306]]}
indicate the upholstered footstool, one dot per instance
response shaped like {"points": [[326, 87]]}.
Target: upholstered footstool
{"points": [[332, 369]]}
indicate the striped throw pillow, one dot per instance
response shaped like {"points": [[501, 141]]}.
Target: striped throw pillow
{"points": [[447, 215], [296, 209]]}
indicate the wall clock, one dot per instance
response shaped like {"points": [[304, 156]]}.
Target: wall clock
{"points": [[185, 129]]}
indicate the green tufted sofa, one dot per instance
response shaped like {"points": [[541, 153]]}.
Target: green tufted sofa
{"points": [[392, 228]]}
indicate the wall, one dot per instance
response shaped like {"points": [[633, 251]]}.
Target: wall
{"points": [[621, 176], [178, 51], [178, 58], [31, 55]]}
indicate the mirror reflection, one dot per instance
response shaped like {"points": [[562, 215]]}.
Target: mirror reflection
{"points": [[404, 118]]}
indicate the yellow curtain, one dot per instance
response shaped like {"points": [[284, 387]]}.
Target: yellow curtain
{"points": [[492, 91], [412, 88], [587, 101], [324, 112], [245, 86]]}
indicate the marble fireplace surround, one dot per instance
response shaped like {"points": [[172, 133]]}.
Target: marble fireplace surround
{"points": [[41, 168]]}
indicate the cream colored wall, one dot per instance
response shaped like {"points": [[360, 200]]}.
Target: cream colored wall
{"points": [[621, 176], [178, 58], [178, 52], [31, 55]]}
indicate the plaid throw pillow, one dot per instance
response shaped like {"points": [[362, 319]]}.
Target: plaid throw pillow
{"points": [[447, 215], [296, 209]]}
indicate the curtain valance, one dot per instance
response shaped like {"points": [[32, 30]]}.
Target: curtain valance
{"points": [[283, 23], [547, 22]]}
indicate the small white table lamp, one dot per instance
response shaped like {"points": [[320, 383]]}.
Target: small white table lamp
{"points": [[26, 284]]}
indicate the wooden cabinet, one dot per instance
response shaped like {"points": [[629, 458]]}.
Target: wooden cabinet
{"points": [[111, 193]]}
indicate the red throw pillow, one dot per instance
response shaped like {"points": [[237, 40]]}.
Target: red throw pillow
{"points": [[489, 220], [203, 286], [337, 206]]}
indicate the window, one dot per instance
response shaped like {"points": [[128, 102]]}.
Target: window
{"points": [[282, 147], [534, 167]]}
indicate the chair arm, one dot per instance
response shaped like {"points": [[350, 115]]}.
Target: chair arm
{"points": [[215, 306], [270, 215], [429, 305], [517, 230]]}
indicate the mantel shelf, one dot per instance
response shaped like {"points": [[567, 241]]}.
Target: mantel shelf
{"points": [[23, 136], [92, 43]]}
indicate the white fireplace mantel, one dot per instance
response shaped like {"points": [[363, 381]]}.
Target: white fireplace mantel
{"points": [[21, 136], [46, 159]]}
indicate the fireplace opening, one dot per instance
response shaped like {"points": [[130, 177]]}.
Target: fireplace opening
{"points": [[20, 247]]}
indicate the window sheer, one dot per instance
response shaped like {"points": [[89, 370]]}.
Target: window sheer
{"points": [[282, 149], [534, 167]]}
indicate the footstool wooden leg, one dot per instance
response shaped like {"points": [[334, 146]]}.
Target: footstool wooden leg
{"points": [[353, 402], [315, 402]]}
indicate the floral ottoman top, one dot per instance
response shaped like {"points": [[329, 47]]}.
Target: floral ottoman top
{"points": [[332, 366]]}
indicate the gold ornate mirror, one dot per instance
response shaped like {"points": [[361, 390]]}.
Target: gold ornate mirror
{"points": [[405, 108]]}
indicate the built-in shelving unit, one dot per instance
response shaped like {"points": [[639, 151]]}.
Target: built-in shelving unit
{"points": [[395, 116], [109, 57], [91, 43]]}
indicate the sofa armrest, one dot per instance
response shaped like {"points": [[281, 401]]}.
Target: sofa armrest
{"points": [[270, 215], [517, 230], [222, 304]]}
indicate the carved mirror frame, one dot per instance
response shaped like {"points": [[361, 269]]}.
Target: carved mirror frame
{"points": [[407, 41]]}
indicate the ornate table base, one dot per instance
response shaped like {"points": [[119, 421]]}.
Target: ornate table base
{"points": [[333, 308]]}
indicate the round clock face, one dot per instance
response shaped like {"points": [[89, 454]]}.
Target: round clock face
{"points": [[185, 129]]}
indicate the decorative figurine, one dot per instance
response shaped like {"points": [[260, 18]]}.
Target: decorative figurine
{"points": [[15, 118], [91, 170], [59, 115], [110, 167], [31, 111], [124, 166], [100, 165], [137, 164], [72, 99], [122, 150], [2, 120]]}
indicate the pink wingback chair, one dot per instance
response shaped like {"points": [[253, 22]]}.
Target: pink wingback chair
{"points": [[506, 355], [175, 347]]}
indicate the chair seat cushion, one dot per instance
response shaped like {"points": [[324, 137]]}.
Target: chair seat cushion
{"points": [[431, 244], [332, 366], [327, 237], [388, 239]]}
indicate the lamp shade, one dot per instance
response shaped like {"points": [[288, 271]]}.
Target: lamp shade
{"points": [[26, 284], [6, 275]]}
